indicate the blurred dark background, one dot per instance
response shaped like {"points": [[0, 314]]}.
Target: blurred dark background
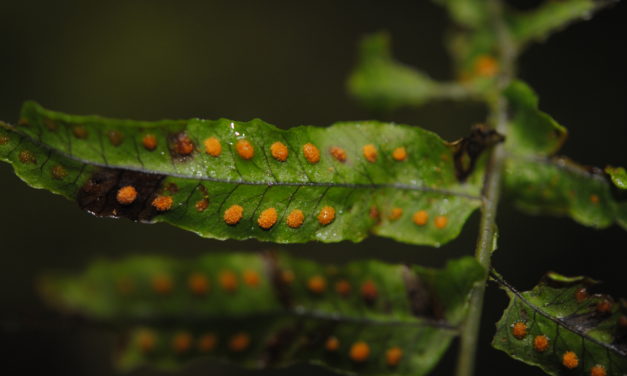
{"points": [[285, 62]]}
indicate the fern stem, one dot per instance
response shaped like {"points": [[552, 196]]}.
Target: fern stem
{"points": [[491, 192]]}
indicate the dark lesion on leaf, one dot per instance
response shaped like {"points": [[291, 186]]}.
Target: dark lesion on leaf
{"points": [[421, 298], [99, 195], [181, 147], [467, 150]]}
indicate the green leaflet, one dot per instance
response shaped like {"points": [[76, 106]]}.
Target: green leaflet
{"points": [[353, 183], [537, 183], [551, 16], [562, 328], [618, 176], [531, 131], [273, 310], [383, 83], [470, 13], [561, 187]]}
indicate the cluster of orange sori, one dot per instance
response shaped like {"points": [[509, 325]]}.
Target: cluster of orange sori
{"points": [[182, 145], [127, 195], [421, 218], [184, 342], [541, 343], [198, 283], [359, 351], [269, 217], [317, 284]]}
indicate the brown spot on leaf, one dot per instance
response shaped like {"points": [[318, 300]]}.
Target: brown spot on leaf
{"points": [[4, 140], [228, 280], [201, 205], [26, 156], [162, 284], [239, 342], [332, 344], [604, 306], [98, 195], [79, 131], [207, 342], [374, 212], [251, 278], [50, 124], [115, 137], [343, 287], [146, 340], [181, 146], [58, 172], [369, 291], [581, 294], [181, 342], [317, 284], [198, 284]]}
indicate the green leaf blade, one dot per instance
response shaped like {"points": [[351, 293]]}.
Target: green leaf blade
{"points": [[382, 83], [197, 188], [550, 17], [531, 131], [571, 318], [279, 304]]}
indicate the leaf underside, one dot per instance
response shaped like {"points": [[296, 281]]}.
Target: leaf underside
{"points": [[368, 176], [273, 310], [561, 327]]}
